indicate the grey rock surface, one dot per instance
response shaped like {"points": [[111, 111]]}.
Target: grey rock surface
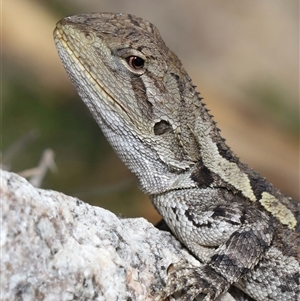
{"points": [[56, 247]]}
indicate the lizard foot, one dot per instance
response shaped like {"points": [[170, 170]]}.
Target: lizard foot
{"points": [[192, 281]]}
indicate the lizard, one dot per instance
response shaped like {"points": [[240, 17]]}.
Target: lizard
{"points": [[243, 229]]}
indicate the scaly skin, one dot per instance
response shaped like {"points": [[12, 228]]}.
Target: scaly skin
{"points": [[243, 229]]}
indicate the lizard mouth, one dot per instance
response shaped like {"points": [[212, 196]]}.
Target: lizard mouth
{"points": [[67, 52]]}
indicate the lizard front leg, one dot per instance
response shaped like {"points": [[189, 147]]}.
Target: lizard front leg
{"points": [[229, 238]]}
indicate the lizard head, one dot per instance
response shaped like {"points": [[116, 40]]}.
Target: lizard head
{"points": [[138, 92]]}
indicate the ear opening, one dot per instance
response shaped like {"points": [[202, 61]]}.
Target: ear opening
{"points": [[162, 127]]}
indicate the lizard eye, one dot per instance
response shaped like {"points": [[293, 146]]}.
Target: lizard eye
{"points": [[135, 62]]}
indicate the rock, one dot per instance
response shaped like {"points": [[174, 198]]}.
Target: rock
{"points": [[56, 247]]}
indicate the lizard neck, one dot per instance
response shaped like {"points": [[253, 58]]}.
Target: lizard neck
{"points": [[154, 176]]}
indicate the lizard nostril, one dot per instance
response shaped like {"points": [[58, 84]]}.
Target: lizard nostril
{"points": [[88, 36]]}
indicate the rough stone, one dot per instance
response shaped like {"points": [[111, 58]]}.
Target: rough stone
{"points": [[56, 247]]}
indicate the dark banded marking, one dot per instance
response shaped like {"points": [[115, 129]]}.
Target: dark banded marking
{"points": [[140, 94]]}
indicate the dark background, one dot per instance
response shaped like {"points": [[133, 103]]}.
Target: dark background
{"points": [[242, 55]]}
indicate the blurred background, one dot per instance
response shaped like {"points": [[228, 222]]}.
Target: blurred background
{"points": [[242, 55]]}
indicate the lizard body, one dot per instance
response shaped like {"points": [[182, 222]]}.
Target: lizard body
{"points": [[243, 229]]}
